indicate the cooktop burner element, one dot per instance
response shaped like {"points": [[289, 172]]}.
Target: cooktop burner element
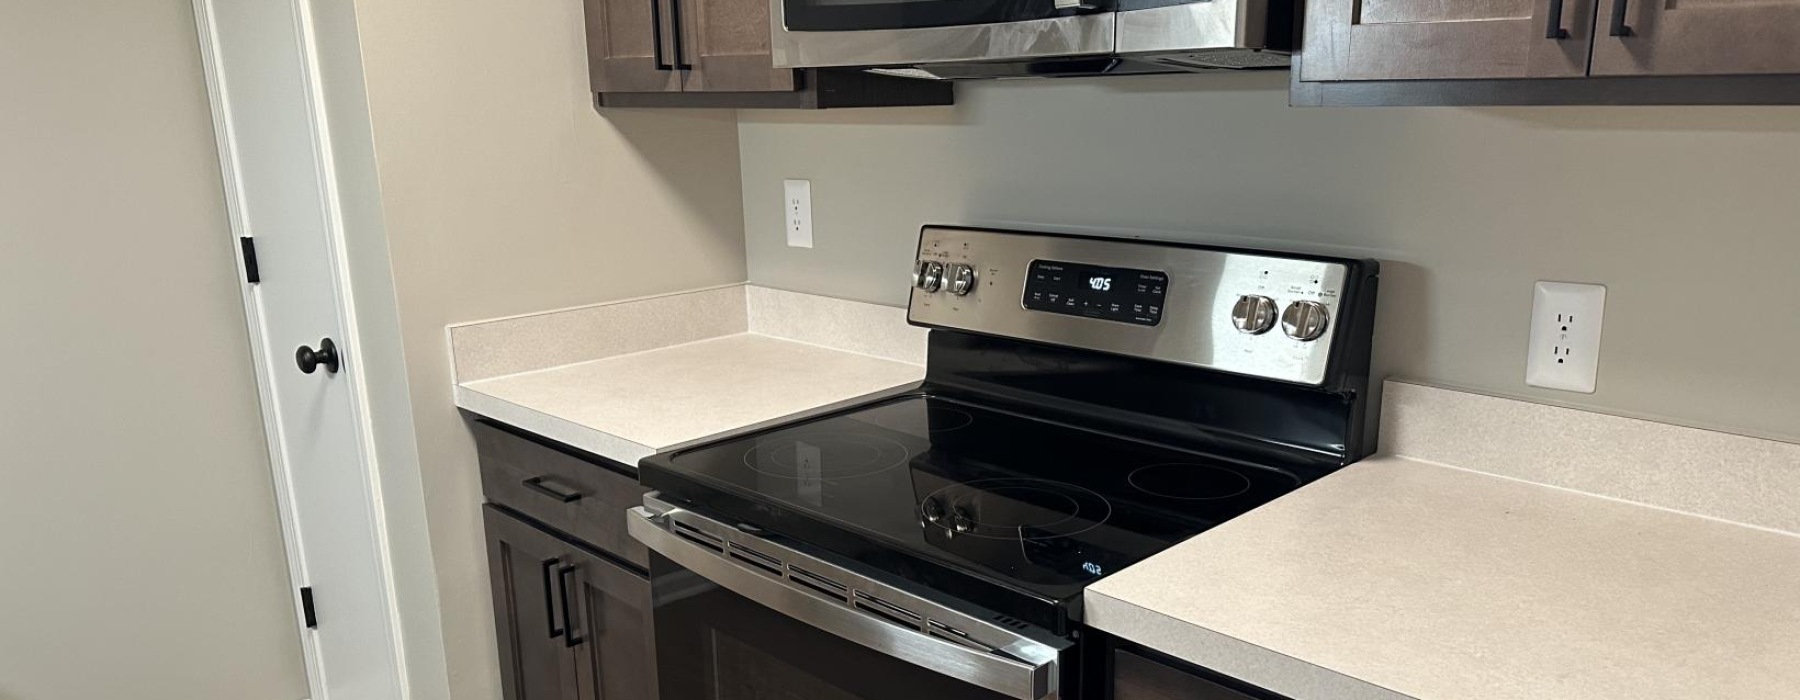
{"points": [[1189, 482], [1015, 509], [825, 457], [944, 419]]}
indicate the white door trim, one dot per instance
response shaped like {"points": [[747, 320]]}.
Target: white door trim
{"points": [[265, 362]]}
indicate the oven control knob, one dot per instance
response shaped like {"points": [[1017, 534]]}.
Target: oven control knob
{"points": [[933, 510], [928, 275], [960, 520], [1305, 320], [960, 279], [1253, 314]]}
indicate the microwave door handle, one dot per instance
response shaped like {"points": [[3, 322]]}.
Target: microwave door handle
{"points": [[1013, 679]]}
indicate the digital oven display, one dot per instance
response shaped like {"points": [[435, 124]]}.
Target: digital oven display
{"points": [[1110, 293]]}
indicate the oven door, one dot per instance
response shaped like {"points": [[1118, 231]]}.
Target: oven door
{"points": [[822, 33], [738, 617]]}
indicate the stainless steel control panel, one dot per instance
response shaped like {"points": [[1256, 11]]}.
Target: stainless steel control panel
{"points": [[1259, 315]]}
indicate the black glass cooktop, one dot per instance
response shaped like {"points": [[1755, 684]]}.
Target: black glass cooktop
{"points": [[936, 489]]}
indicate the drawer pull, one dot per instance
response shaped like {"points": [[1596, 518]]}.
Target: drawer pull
{"points": [[537, 483]]}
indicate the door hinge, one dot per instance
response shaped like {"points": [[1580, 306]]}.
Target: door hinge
{"points": [[306, 608], [252, 274]]}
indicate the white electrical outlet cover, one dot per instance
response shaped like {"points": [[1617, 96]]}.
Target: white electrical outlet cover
{"points": [[796, 206], [1565, 336]]}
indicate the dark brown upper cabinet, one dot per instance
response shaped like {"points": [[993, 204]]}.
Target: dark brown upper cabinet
{"points": [[1424, 39], [627, 49], [1698, 37], [716, 53], [728, 41], [1400, 52]]}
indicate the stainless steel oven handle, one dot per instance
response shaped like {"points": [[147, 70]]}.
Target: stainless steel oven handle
{"points": [[1015, 679]]}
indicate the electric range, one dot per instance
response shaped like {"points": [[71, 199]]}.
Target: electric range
{"points": [[1088, 402]]}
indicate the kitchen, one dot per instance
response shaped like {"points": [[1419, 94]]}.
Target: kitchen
{"points": [[504, 193]]}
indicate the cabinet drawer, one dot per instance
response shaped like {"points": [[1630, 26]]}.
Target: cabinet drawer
{"points": [[574, 495], [1139, 677]]}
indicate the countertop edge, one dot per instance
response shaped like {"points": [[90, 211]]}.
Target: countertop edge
{"points": [[569, 433], [628, 449], [1227, 655]]}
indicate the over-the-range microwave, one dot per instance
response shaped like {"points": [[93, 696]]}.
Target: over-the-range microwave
{"points": [[951, 39]]}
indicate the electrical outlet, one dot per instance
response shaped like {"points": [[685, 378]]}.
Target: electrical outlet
{"points": [[1565, 336], [796, 204]]}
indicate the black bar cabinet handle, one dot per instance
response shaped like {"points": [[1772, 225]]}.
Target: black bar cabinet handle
{"points": [[536, 483], [656, 47], [675, 25], [1553, 27], [1619, 28], [550, 602], [570, 640]]}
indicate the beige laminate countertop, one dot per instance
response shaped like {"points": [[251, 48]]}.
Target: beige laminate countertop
{"points": [[627, 407], [1396, 578]]}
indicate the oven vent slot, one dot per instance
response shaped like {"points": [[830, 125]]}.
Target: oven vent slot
{"points": [[698, 536], [818, 584], [887, 611], [750, 557], [952, 634]]}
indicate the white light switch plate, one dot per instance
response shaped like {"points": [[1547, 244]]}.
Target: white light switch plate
{"points": [[1565, 336], [796, 204]]}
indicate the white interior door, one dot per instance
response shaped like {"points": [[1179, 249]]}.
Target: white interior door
{"points": [[273, 142]]}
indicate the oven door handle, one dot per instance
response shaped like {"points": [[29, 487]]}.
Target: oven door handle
{"points": [[1014, 679]]}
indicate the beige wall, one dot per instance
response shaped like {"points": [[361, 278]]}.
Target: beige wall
{"points": [[140, 555], [504, 192], [1689, 215]]}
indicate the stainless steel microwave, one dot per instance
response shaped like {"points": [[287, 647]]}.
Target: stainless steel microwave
{"points": [[951, 39]]}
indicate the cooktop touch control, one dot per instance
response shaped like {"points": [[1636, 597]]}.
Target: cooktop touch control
{"points": [[1178, 303], [1095, 291]]}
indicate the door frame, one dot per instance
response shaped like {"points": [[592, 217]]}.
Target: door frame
{"points": [[388, 457]]}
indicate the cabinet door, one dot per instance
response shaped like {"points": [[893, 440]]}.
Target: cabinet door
{"points": [[727, 44], [523, 565], [1446, 39], [1697, 37], [614, 643], [629, 46]]}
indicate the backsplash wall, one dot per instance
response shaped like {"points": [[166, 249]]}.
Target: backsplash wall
{"points": [[1688, 215]]}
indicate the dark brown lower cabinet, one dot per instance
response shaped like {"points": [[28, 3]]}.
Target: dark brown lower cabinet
{"points": [[616, 659], [1140, 677], [572, 625]]}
